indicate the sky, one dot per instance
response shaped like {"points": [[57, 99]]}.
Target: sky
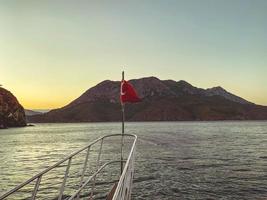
{"points": [[52, 51]]}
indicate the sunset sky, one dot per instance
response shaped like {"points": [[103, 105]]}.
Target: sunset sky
{"points": [[52, 51]]}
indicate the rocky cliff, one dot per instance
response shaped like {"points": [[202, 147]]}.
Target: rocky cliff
{"points": [[11, 112], [162, 100]]}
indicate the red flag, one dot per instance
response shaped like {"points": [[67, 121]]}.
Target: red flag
{"points": [[128, 93]]}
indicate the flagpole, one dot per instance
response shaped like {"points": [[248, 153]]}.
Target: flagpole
{"points": [[122, 130]]}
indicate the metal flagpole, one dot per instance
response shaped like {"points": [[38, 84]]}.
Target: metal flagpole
{"points": [[122, 130]]}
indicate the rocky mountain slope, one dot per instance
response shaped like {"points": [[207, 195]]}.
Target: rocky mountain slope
{"points": [[11, 112], [162, 100]]}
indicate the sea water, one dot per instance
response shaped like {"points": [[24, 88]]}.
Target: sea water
{"points": [[174, 160]]}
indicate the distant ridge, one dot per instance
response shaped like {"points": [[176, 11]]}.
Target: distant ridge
{"points": [[162, 100], [31, 112]]}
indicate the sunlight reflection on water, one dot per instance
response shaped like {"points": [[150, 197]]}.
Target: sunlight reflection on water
{"points": [[175, 160]]}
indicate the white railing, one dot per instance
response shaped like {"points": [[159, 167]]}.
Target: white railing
{"points": [[124, 186]]}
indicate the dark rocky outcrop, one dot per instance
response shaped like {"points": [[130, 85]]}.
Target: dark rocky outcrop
{"points": [[11, 112], [165, 100]]}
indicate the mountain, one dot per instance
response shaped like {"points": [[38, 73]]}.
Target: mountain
{"points": [[222, 92], [162, 100], [31, 112], [41, 110], [11, 112]]}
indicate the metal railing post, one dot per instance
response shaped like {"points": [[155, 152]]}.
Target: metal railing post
{"points": [[123, 191], [97, 165], [132, 174], [35, 190], [84, 169], [64, 181]]}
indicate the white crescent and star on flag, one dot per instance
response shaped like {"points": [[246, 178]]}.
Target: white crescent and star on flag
{"points": [[122, 93]]}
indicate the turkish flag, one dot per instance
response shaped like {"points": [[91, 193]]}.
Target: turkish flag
{"points": [[128, 93]]}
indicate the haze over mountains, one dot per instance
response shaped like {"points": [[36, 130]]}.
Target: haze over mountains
{"points": [[162, 100], [31, 112]]}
